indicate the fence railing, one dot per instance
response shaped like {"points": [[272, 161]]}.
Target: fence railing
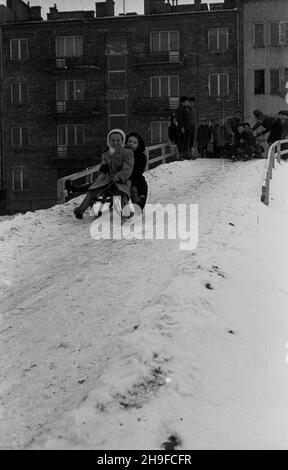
{"points": [[276, 151], [156, 155]]}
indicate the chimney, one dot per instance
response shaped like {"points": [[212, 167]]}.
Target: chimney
{"points": [[53, 15], [35, 14], [104, 9], [198, 4]]}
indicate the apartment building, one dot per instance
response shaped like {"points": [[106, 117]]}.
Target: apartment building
{"points": [[265, 56], [69, 79]]}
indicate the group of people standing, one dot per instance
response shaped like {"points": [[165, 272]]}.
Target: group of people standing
{"points": [[124, 160], [226, 138]]}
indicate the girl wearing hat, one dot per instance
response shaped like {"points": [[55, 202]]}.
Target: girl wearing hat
{"points": [[114, 174]]}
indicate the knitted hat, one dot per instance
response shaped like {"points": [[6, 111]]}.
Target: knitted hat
{"points": [[115, 131]]}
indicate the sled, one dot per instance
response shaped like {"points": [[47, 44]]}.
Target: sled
{"points": [[96, 210]]}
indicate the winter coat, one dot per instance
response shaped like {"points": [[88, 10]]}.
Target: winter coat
{"points": [[272, 125], [140, 160], [183, 118], [139, 184], [173, 133], [266, 122], [275, 131], [215, 134], [120, 164], [250, 138], [242, 141], [191, 118], [203, 135], [285, 129], [227, 130]]}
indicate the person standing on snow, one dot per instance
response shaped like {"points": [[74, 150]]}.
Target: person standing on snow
{"points": [[183, 126], [191, 135], [203, 138], [114, 174]]}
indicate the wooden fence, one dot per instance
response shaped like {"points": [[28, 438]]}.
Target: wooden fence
{"points": [[156, 155], [276, 151]]}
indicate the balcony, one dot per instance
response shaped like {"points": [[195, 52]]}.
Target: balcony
{"points": [[80, 108], [155, 105], [158, 58], [75, 152], [62, 64]]}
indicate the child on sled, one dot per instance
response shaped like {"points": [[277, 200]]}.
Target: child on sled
{"points": [[114, 174], [139, 189]]}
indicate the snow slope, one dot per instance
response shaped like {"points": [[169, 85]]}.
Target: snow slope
{"points": [[121, 345]]}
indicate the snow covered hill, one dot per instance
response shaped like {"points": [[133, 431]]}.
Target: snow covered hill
{"points": [[133, 344]]}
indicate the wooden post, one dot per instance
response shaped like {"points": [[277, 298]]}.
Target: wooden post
{"points": [[269, 176], [279, 152], [60, 192], [148, 158], [270, 159], [163, 153], [273, 158]]}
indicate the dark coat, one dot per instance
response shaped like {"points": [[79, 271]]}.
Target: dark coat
{"points": [[227, 130], [266, 122], [245, 142], [203, 135], [250, 137], [191, 117], [140, 158], [173, 133], [272, 125], [285, 129], [183, 118], [120, 164], [139, 183]]}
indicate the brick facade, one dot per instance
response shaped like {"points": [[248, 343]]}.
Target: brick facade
{"points": [[40, 114]]}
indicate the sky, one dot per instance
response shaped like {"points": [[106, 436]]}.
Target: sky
{"points": [[131, 5]]}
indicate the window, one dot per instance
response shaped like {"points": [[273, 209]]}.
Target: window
{"points": [[275, 34], [259, 35], [259, 81], [164, 41], [218, 39], [218, 84], [19, 93], [70, 90], [21, 180], [116, 44], [284, 32], [70, 134], [275, 81], [159, 132], [19, 49], [69, 46], [117, 114], [117, 71], [164, 86], [20, 137]]}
